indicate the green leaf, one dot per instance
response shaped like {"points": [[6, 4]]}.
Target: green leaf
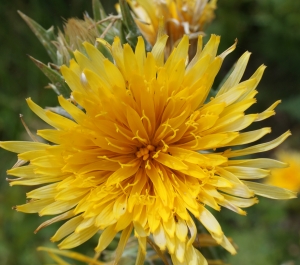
{"points": [[122, 29], [45, 36], [98, 10], [58, 82], [131, 27], [100, 16]]}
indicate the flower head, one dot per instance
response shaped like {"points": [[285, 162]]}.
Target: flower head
{"points": [[289, 177], [141, 148], [76, 31], [178, 17]]}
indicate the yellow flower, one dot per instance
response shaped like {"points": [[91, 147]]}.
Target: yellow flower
{"points": [[179, 17], [142, 149], [288, 178]]}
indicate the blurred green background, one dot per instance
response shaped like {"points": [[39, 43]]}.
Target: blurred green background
{"points": [[270, 234]]}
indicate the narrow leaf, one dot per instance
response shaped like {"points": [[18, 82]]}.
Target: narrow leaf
{"points": [[45, 36], [132, 28], [98, 10], [58, 82]]}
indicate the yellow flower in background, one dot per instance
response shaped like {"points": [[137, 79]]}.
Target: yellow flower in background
{"points": [[141, 150], [179, 17], [289, 177]]}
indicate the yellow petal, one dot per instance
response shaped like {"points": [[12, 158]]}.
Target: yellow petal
{"points": [[241, 202], [259, 163], [67, 228], [268, 112], [44, 192], [231, 206], [236, 74], [115, 77], [84, 62], [181, 230], [59, 121], [270, 191], [34, 205], [179, 250], [124, 173], [39, 112], [160, 237], [86, 223], [122, 243], [72, 79], [22, 146], [105, 238], [260, 147], [141, 256], [58, 207], [210, 223], [248, 172], [248, 137], [158, 184], [227, 245], [77, 239], [170, 161], [140, 54], [55, 219], [158, 50], [96, 58]]}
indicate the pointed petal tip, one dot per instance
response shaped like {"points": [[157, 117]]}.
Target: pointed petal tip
{"points": [[61, 247], [244, 213], [233, 253], [85, 43], [215, 36], [76, 52], [22, 14], [292, 194]]}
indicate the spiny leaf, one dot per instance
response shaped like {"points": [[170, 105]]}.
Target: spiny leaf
{"points": [[122, 29], [45, 36], [58, 82], [132, 28], [98, 10]]}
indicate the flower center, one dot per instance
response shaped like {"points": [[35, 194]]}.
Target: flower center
{"points": [[144, 152]]}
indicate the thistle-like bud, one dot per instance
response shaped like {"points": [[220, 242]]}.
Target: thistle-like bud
{"points": [[187, 17], [61, 46]]}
